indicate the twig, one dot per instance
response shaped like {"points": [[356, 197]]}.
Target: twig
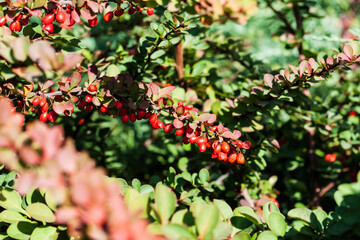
{"points": [[288, 26], [321, 193]]}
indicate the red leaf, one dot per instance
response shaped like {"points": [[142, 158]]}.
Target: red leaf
{"points": [[348, 50], [246, 145], [227, 134], [294, 69], [268, 79], [177, 123], [207, 117], [236, 134], [275, 143]]}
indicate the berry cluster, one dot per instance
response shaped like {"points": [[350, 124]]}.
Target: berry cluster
{"points": [[330, 157], [65, 15]]}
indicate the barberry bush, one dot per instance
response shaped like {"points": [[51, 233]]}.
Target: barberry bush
{"points": [[169, 119]]}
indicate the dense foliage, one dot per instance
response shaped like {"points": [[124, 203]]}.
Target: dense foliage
{"points": [[169, 119]]}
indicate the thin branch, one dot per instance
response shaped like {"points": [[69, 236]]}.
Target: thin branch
{"points": [[288, 26]]}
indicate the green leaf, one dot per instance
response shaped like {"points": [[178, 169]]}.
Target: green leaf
{"points": [[277, 224], [11, 216], [41, 212], [225, 209], [157, 54], [21, 230], [248, 213], [267, 235], [165, 201], [146, 189], [168, 16], [10, 199], [300, 213], [222, 230], [241, 236], [196, 206], [44, 232], [268, 208], [207, 220], [204, 175], [177, 232], [112, 70]]}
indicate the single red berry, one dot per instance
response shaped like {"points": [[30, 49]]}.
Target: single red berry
{"points": [[93, 22], [48, 28], [72, 22], [119, 105], [132, 10], [217, 149], [150, 11], [125, 118], [222, 156], [119, 12], [352, 114], [69, 111], [48, 19], [88, 98], [240, 158], [43, 116], [2, 21], [44, 108], [52, 116], [168, 128], [15, 26], [239, 143], [103, 109], [202, 147], [141, 114], [232, 157], [193, 139], [188, 107], [225, 147], [214, 128], [81, 121], [89, 107], [201, 140], [133, 117], [60, 16], [180, 131], [213, 155], [36, 100], [147, 115], [159, 123], [108, 16], [92, 88], [42, 102], [153, 118]]}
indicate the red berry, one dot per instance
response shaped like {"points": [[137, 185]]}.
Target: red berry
{"points": [[42, 102], [52, 116], [122, 112], [132, 10], [48, 19], [330, 157], [351, 114], [240, 158], [92, 88], [49, 28], [168, 128], [193, 139], [43, 116], [159, 123], [150, 11], [89, 107], [153, 118], [93, 22], [214, 128], [69, 112], [118, 105], [214, 155], [217, 149], [225, 147], [201, 140], [103, 109], [274, 201], [232, 157], [108, 16], [60, 16], [119, 12], [36, 100], [188, 107], [15, 26], [125, 118], [222, 156], [88, 98], [180, 103], [180, 131], [141, 114], [44, 108], [2, 21], [133, 117], [215, 144], [202, 147], [72, 22]]}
